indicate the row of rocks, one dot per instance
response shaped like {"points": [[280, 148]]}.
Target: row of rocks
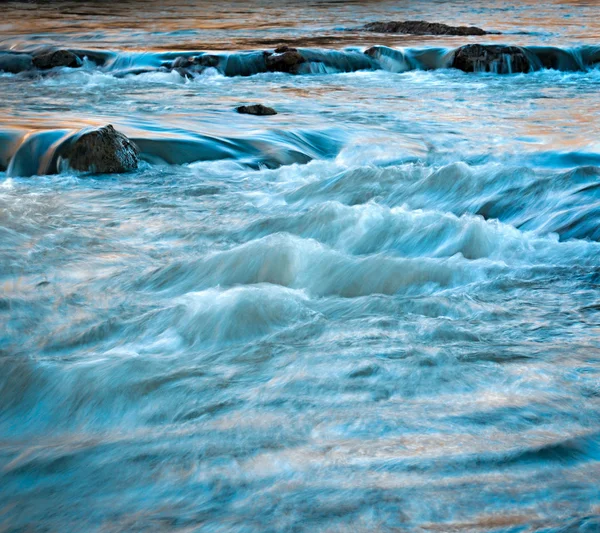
{"points": [[499, 58], [45, 60], [282, 59], [502, 59], [421, 27]]}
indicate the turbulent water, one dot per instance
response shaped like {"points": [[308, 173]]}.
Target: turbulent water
{"points": [[378, 310]]}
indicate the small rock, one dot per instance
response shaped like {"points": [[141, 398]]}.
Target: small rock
{"points": [[101, 151], [256, 109], [15, 63], [284, 59], [500, 59], [422, 27], [56, 58]]}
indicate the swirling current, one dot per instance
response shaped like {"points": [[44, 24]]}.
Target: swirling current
{"points": [[376, 311]]}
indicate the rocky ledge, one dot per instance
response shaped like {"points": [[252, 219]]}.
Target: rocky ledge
{"points": [[15, 62], [422, 27]]}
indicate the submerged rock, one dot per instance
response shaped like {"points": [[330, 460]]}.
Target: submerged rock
{"points": [[284, 59], [207, 60], [497, 58], [182, 62], [187, 66], [100, 151], [256, 109], [57, 58], [15, 63], [421, 27]]}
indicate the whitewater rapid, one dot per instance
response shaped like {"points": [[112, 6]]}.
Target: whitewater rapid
{"points": [[378, 310]]}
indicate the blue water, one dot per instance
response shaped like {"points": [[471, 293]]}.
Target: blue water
{"points": [[378, 310]]}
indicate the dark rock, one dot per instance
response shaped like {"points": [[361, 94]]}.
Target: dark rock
{"points": [[56, 58], [256, 109], [207, 60], [101, 151], [187, 66], [284, 59], [183, 62], [422, 27], [497, 58], [15, 63]]}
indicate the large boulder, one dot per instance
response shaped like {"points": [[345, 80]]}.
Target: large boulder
{"points": [[99, 151], [15, 63], [421, 27], [256, 109], [497, 58], [56, 58], [284, 59]]}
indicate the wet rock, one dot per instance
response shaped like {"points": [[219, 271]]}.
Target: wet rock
{"points": [[422, 27], [100, 151], [188, 66], [15, 63], [284, 59], [56, 58], [256, 109], [500, 59], [207, 60], [182, 62]]}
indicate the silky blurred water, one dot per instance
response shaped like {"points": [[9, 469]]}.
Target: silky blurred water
{"points": [[378, 310]]}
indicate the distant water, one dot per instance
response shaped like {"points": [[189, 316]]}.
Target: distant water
{"points": [[376, 311]]}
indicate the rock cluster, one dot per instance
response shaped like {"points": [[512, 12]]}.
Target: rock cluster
{"points": [[57, 58], [14, 62]]}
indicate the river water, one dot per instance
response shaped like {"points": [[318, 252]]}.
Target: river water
{"points": [[378, 310]]}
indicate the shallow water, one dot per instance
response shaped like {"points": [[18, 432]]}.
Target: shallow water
{"points": [[378, 310]]}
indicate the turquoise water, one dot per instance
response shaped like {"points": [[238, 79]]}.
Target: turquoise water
{"points": [[378, 310]]}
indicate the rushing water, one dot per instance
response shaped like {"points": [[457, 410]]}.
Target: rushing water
{"points": [[378, 310]]}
